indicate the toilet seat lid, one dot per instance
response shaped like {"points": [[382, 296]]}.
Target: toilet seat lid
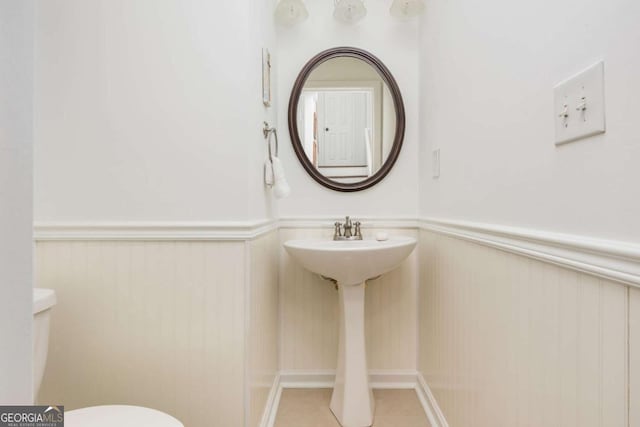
{"points": [[118, 415]]}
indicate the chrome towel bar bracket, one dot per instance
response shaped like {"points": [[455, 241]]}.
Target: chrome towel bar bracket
{"points": [[267, 132]]}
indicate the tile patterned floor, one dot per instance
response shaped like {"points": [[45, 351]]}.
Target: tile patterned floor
{"points": [[310, 408]]}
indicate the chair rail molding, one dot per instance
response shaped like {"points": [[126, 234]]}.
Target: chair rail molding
{"points": [[367, 222], [154, 231], [609, 259], [186, 231]]}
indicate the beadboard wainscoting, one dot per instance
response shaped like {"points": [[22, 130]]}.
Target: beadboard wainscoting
{"points": [[492, 326], [172, 319], [634, 357], [509, 340], [262, 351], [309, 307]]}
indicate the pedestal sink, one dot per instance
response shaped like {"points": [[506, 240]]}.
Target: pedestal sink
{"points": [[351, 263]]}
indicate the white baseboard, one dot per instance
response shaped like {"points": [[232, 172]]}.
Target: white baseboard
{"points": [[307, 379], [325, 379], [429, 404], [271, 407], [379, 380]]}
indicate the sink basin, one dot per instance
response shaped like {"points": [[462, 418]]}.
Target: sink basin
{"points": [[351, 262]]}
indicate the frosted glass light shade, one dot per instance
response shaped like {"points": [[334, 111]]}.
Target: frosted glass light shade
{"points": [[291, 12], [349, 11], [405, 9]]}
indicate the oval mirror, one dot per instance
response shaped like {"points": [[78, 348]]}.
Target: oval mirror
{"points": [[346, 119]]}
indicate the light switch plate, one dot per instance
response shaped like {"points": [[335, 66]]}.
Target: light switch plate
{"points": [[435, 163], [579, 105]]}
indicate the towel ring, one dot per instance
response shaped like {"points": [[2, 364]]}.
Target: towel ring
{"points": [[267, 132]]}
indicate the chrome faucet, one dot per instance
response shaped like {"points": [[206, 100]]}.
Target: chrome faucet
{"points": [[343, 232], [347, 227]]}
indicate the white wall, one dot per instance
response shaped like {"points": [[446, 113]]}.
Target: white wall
{"points": [[504, 339], [16, 141], [150, 110], [263, 35], [395, 43], [487, 71]]}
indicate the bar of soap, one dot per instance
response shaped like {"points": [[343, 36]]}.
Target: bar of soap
{"points": [[381, 236]]}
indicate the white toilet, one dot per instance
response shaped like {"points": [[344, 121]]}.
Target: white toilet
{"points": [[95, 416], [43, 301]]}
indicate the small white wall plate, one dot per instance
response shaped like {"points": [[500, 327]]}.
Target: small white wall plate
{"points": [[579, 105]]}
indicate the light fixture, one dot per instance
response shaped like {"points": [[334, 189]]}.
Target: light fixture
{"points": [[291, 12], [349, 11], [405, 9]]}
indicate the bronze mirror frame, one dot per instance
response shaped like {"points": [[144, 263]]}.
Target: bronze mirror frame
{"points": [[387, 77]]}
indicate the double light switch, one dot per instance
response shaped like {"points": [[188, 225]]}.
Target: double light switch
{"points": [[579, 104]]}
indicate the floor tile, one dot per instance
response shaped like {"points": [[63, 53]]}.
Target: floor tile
{"points": [[310, 408]]}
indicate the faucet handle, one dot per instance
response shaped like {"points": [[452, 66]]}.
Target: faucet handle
{"points": [[337, 232], [357, 232]]}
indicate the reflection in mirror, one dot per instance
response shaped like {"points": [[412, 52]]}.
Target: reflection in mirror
{"points": [[346, 119]]}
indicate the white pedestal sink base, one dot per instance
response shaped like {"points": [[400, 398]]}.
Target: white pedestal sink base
{"points": [[350, 263], [352, 400]]}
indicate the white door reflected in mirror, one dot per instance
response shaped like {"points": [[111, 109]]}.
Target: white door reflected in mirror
{"points": [[346, 119]]}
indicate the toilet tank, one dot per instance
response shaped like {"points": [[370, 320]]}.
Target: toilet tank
{"points": [[43, 301]]}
